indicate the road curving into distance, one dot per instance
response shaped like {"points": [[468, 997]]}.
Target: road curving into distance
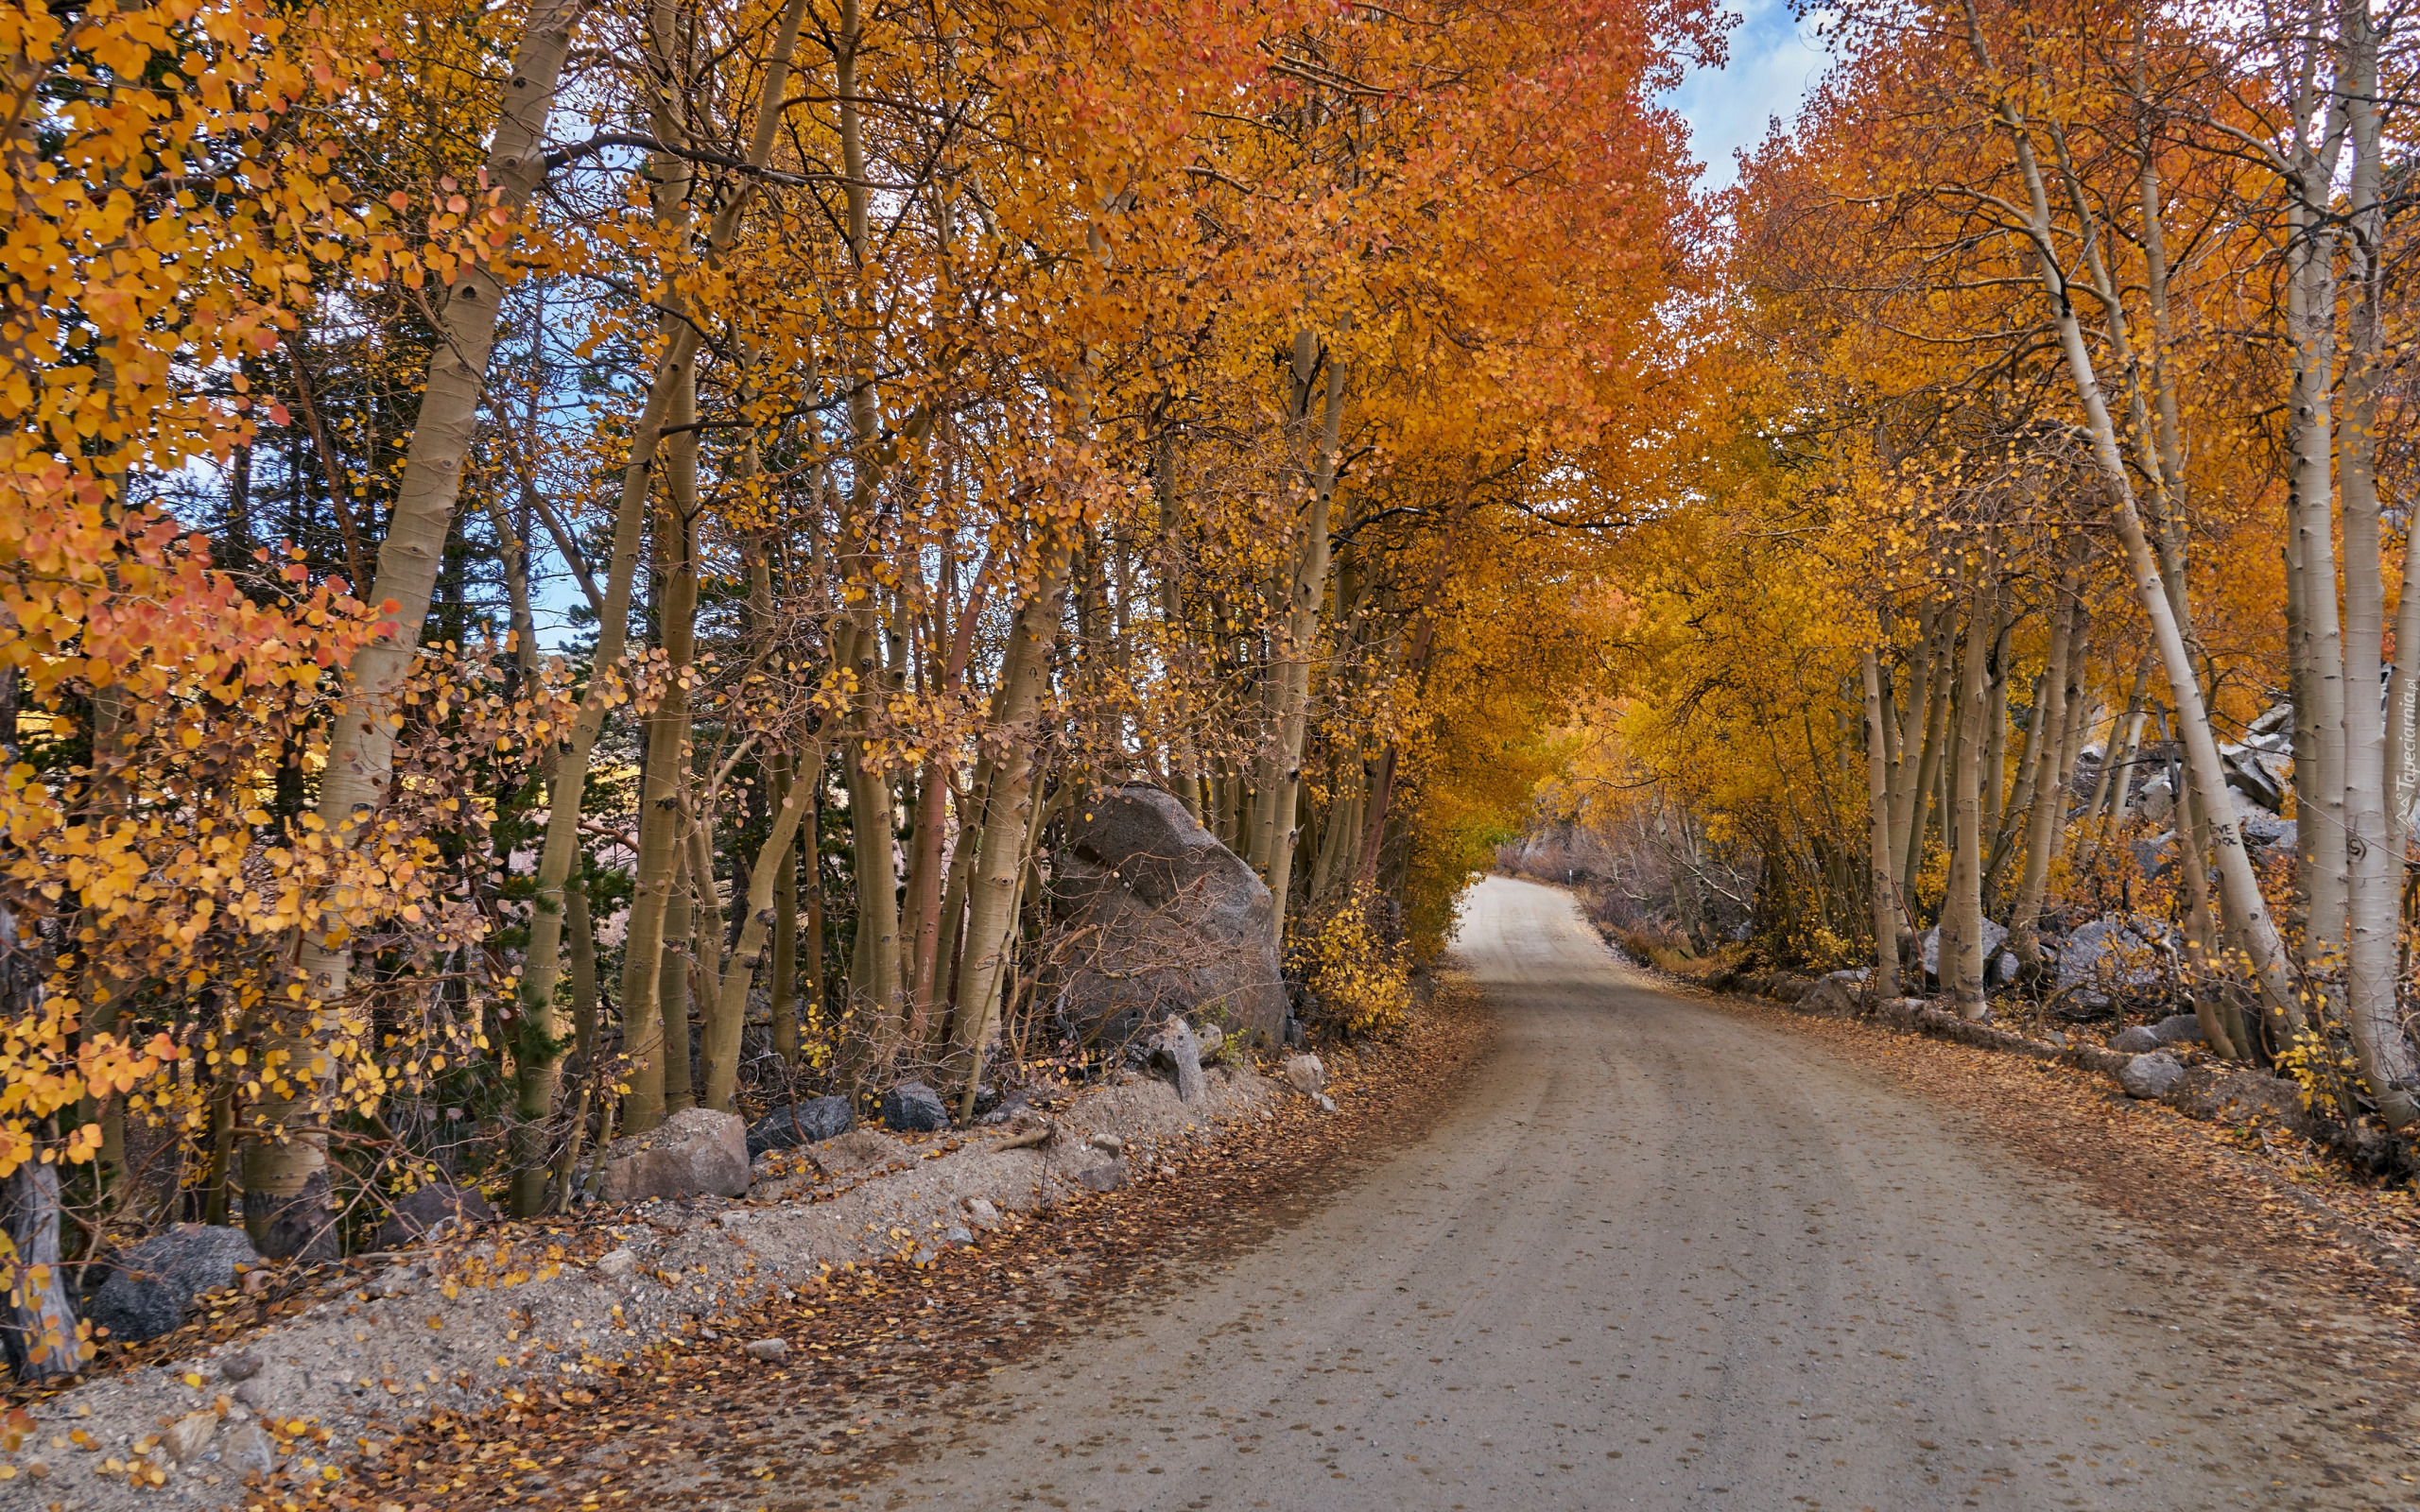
{"points": [[1666, 1256]]}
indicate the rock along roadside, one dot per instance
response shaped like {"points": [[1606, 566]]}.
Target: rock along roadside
{"points": [[456, 1326]]}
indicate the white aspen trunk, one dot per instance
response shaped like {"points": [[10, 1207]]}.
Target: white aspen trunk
{"points": [[361, 747], [2373, 841], [2119, 775], [1025, 677], [728, 1015], [2049, 788], [659, 1082], [1881, 883], [1961, 934], [2321, 662], [1929, 762], [1272, 844], [1993, 773], [285, 1180], [2007, 833], [2257, 934]]}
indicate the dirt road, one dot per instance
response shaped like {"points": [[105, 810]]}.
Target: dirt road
{"points": [[1668, 1257]]}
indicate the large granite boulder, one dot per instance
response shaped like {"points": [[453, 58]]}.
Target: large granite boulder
{"points": [[2116, 957], [150, 1285], [697, 1152], [912, 1108], [792, 1125], [1838, 995], [2151, 1076], [1995, 936], [1160, 918]]}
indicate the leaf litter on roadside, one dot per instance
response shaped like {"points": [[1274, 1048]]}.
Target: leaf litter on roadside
{"points": [[877, 1354]]}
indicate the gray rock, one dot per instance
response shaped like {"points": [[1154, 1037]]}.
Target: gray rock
{"points": [[255, 1394], [959, 1234], [1835, 996], [241, 1366], [1162, 918], [616, 1263], [2155, 853], [2261, 830], [2117, 955], [1176, 1048], [150, 1284], [2157, 801], [1010, 1108], [980, 1213], [2260, 775], [912, 1108], [429, 1210], [188, 1436], [2179, 1029], [1305, 1074], [766, 1349], [1995, 936], [795, 1124], [2151, 1076], [2002, 970], [2250, 1097], [247, 1448], [697, 1152], [2141, 1039], [1107, 1176]]}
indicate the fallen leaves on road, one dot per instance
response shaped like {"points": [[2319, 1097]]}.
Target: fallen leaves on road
{"points": [[2273, 1204]]}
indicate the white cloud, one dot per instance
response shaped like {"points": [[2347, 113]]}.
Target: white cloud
{"points": [[1774, 59]]}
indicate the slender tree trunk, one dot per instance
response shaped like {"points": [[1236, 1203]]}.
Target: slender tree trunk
{"points": [[785, 992], [1930, 760], [37, 1322], [949, 947], [1962, 910], [1281, 776], [725, 1023], [819, 997], [674, 379], [2118, 777], [674, 966], [651, 990], [2009, 827], [2257, 934], [925, 889], [2047, 785], [285, 1178], [993, 889], [1881, 879], [874, 958], [2374, 840], [1913, 744]]}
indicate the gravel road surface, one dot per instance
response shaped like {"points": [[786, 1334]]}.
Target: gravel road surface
{"points": [[1666, 1256]]}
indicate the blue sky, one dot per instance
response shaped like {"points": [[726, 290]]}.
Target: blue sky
{"points": [[1774, 59]]}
